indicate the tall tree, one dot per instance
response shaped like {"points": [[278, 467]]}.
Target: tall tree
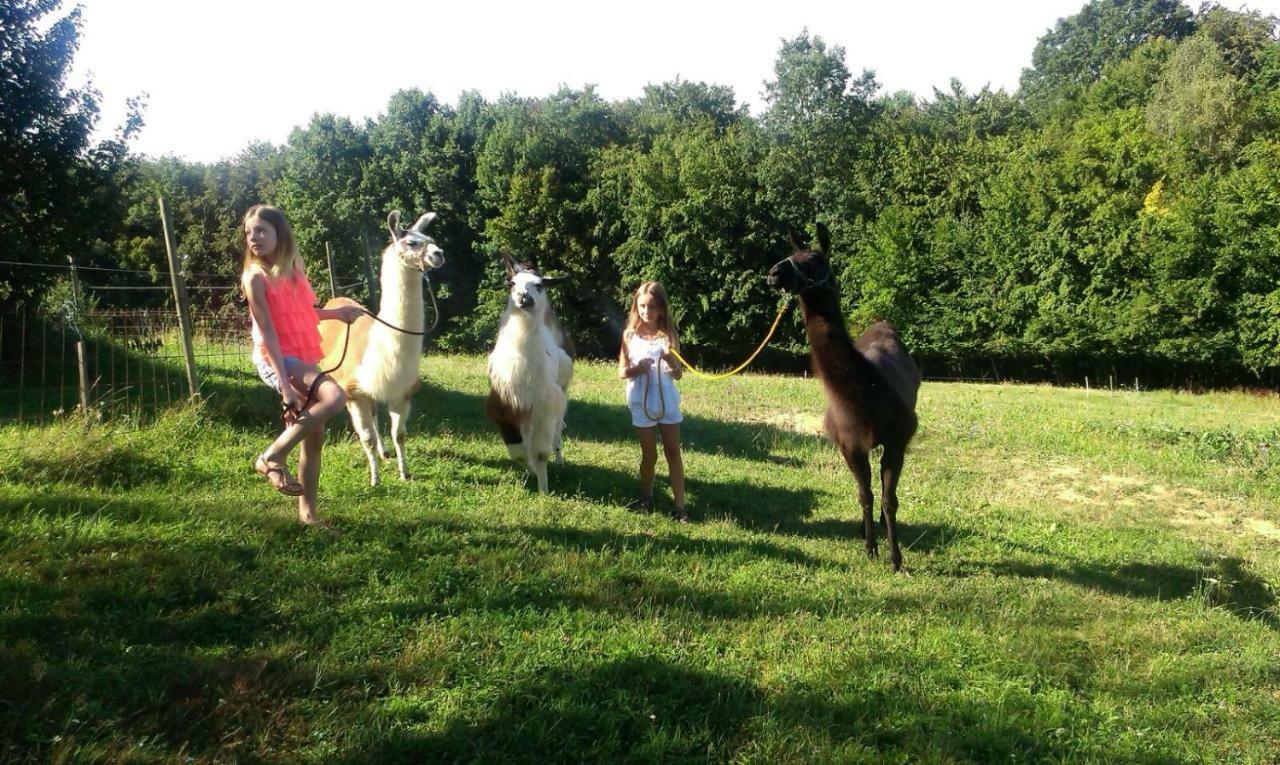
{"points": [[1074, 52], [817, 116], [54, 180]]}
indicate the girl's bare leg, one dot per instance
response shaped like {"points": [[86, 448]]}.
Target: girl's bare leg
{"points": [[328, 401], [309, 471], [675, 461], [648, 459]]}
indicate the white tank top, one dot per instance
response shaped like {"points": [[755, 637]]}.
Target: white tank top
{"points": [[657, 376]]}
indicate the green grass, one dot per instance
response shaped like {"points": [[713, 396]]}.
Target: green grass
{"points": [[1092, 578]]}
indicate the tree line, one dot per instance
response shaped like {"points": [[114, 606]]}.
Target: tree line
{"points": [[1118, 214]]}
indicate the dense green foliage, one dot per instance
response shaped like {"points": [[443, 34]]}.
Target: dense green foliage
{"points": [[1093, 579], [1118, 215]]}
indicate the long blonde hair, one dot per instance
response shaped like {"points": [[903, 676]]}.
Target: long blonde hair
{"points": [[667, 326], [288, 260]]}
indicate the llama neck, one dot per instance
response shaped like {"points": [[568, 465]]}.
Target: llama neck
{"points": [[401, 295], [521, 330], [843, 369]]}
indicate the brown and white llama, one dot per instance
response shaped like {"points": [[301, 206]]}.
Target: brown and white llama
{"points": [[871, 384], [381, 363], [529, 372]]}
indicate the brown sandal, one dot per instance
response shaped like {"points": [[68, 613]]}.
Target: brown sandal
{"points": [[285, 484]]}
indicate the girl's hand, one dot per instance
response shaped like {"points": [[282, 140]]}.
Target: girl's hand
{"points": [[670, 358], [291, 398], [349, 313], [644, 364]]}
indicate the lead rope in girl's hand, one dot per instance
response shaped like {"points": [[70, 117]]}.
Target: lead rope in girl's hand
{"points": [[656, 368], [781, 311]]}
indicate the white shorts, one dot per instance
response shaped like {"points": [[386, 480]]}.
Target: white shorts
{"points": [[642, 419]]}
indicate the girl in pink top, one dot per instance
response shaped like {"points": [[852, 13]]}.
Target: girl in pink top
{"points": [[286, 348]]}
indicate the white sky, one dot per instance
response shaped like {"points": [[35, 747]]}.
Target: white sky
{"points": [[223, 73]]}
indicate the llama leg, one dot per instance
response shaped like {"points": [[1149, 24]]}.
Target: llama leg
{"points": [[538, 464], [860, 465], [379, 448], [362, 420], [890, 472], [559, 443], [399, 417]]}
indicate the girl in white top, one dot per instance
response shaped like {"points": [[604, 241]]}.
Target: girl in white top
{"points": [[650, 369]]}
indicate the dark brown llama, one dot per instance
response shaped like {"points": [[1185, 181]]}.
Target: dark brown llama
{"points": [[871, 384]]}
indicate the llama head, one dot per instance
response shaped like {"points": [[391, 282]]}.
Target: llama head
{"points": [[806, 268], [526, 288], [415, 249]]}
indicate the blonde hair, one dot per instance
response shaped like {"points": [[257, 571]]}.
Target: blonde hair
{"points": [[288, 260], [666, 326]]}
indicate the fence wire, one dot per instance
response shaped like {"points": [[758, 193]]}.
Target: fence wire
{"points": [[118, 362], [95, 355]]}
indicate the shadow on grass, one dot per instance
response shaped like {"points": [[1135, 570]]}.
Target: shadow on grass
{"points": [[648, 709], [218, 648], [105, 464], [437, 407], [115, 639], [1225, 583]]}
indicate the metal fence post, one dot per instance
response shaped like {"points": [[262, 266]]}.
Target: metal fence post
{"points": [[81, 365], [333, 282], [368, 272], [180, 297]]}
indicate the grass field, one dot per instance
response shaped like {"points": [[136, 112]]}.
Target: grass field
{"points": [[1092, 578]]}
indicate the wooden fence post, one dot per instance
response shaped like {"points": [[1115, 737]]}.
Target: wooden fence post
{"points": [[180, 297], [81, 365], [333, 283]]}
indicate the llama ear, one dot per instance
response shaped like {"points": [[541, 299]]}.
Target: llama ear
{"points": [[797, 243], [421, 225], [551, 281], [824, 238], [509, 264], [393, 223]]}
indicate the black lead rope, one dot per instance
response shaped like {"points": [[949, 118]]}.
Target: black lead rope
{"points": [[289, 416]]}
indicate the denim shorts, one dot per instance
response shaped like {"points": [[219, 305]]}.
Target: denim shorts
{"points": [[293, 366]]}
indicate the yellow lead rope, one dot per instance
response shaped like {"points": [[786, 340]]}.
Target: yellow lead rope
{"points": [[785, 305]]}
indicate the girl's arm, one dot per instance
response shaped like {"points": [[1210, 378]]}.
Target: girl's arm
{"points": [[624, 364], [673, 365], [255, 288], [625, 368], [344, 313]]}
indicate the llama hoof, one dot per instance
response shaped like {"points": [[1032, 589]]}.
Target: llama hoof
{"points": [[680, 515], [873, 553], [406, 476]]}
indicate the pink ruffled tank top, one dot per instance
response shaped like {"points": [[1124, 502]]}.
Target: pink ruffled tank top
{"points": [[293, 312]]}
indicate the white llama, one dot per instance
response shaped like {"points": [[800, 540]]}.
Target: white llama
{"points": [[381, 363], [529, 372]]}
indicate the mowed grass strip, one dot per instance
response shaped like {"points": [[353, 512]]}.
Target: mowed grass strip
{"points": [[1091, 579]]}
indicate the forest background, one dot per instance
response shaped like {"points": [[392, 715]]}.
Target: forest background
{"points": [[1118, 215]]}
